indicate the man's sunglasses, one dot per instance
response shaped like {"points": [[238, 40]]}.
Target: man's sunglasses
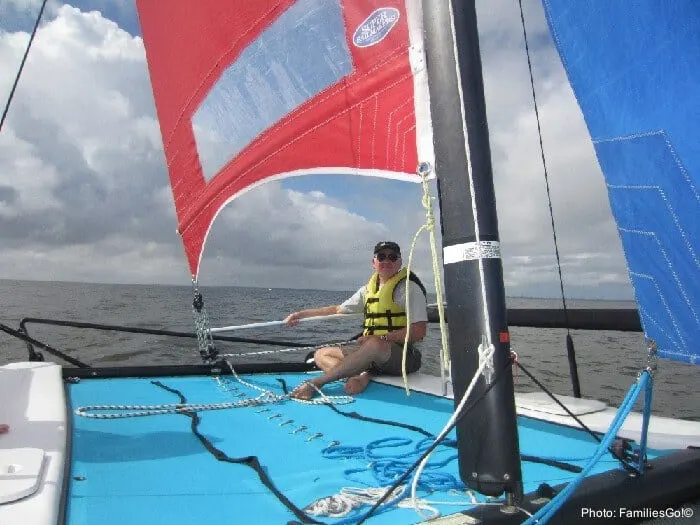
{"points": [[383, 256]]}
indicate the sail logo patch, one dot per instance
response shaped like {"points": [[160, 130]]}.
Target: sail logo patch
{"points": [[375, 27]]}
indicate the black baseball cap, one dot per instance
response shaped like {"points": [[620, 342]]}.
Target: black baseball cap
{"points": [[387, 245]]}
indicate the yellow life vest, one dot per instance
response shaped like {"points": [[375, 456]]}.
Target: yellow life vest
{"points": [[382, 314]]}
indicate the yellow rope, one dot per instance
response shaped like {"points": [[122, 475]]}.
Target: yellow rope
{"points": [[427, 201]]}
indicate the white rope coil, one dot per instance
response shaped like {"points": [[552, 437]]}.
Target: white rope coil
{"points": [[351, 498], [156, 410]]}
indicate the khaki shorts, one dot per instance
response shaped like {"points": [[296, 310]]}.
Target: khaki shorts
{"points": [[393, 366]]}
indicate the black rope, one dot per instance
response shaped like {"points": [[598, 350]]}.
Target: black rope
{"points": [[562, 405], [573, 369], [21, 65], [24, 337], [616, 450], [249, 461], [151, 331]]}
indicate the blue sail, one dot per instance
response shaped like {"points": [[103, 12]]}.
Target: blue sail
{"points": [[634, 66]]}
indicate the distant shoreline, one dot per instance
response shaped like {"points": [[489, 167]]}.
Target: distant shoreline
{"points": [[349, 292]]}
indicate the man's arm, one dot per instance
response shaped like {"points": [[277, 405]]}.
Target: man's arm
{"points": [[293, 318]]}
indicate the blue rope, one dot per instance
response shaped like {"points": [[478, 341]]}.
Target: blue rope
{"points": [[545, 513], [646, 415], [387, 467]]}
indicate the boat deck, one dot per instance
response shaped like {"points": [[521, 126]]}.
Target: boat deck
{"points": [[144, 470]]}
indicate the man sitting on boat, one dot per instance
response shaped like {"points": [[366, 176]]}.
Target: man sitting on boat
{"points": [[379, 350]]}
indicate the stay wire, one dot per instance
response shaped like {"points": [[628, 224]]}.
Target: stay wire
{"points": [[569, 339], [21, 65]]}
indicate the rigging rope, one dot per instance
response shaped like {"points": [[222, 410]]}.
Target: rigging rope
{"points": [[291, 349], [21, 65], [424, 170], [483, 364], [458, 415], [569, 339], [266, 397], [205, 341]]}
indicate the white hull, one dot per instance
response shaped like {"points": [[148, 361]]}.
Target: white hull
{"points": [[664, 432]]}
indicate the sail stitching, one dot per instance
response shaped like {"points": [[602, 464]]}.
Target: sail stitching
{"points": [[680, 228], [652, 320], [396, 125], [671, 150], [655, 238], [623, 138], [403, 150], [652, 279], [399, 136], [374, 123], [358, 142]]}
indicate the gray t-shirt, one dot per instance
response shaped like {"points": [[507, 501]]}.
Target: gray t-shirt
{"points": [[418, 306]]}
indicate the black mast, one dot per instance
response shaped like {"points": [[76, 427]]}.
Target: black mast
{"points": [[489, 456]]}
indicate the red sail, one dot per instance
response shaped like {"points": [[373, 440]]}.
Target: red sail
{"points": [[284, 94]]}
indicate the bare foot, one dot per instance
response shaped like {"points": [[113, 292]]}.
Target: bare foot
{"points": [[304, 391], [4, 429], [356, 384]]}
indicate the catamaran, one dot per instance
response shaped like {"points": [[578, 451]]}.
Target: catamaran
{"points": [[251, 91]]}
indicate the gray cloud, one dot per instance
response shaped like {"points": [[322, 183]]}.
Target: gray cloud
{"points": [[84, 193]]}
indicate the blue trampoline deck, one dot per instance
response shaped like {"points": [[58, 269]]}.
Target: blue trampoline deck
{"points": [[154, 469]]}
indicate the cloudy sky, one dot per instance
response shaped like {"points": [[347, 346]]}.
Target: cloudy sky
{"points": [[84, 192]]}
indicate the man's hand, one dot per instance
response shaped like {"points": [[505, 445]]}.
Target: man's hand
{"points": [[292, 319], [365, 338]]}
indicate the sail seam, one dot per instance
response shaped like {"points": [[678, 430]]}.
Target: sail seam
{"points": [[396, 128], [623, 138], [670, 209], [652, 280], [643, 314], [671, 149], [400, 136], [406, 134], [668, 264], [358, 142]]}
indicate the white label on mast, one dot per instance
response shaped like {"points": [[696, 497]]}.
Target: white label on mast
{"points": [[471, 251]]}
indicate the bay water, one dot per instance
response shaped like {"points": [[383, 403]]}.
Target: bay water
{"points": [[608, 361]]}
